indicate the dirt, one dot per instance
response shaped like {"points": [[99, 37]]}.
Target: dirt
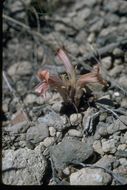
{"points": [[34, 126]]}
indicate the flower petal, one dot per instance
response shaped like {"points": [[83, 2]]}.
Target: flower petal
{"points": [[43, 75], [63, 57], [93, 77], [42, 88]]}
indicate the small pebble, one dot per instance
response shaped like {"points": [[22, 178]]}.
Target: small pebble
{"points": [[118, 52], [75, 119], [107, 62], [48, 141], [122, 147], [75, 133], [66, 171], [52, 131], [117, 94], [123, 161]]}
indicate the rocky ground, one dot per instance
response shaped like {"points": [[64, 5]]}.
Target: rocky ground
{"points": [[44, 143]]}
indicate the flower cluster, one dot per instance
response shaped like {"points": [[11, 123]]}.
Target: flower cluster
{"points": [[70, 86]]}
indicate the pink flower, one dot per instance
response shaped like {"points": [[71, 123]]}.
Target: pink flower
{"points": [[70, 88]]}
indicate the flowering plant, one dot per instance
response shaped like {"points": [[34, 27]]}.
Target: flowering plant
{"points": [[69, 86]]}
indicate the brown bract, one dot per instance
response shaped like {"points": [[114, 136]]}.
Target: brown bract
{"points": [[69, 86]]}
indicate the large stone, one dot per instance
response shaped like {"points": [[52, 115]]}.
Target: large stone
{"points": [[37, 134], [88, 176], [23, 167], [68, 151]]}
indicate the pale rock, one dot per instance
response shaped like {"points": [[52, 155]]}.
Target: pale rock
{"points": [[118, 52], [88, 176], [107, 62], [75, 118], [30, 99], [52, 131], [108, 146], [20, 68], [123, 161], [48, 141], [122, 147], [123, 81], [75, 133], [23, 167], [115, 71], [66, 171], [98, 147], [106, 161], [40, 53]]}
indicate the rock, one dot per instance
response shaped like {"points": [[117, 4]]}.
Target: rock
{"points": [[96, 27], [125, 137], [88, 176], [107, 31], [106, 161], [116, 70], [111, 6], [82, 3], [58, 134], [18, 128], [91, 37], [57, 106], [37, 134], [102, 131], [97, 147], [75, 118], [74, 133], [115, 6], [81, 36], [23, 167], [53, 119], [103, 116], [123, 161], [116, 94], [111, 19], [117, 61], [48, 141], [122, 147], [16, 6], [66, 171], [69, 150], [40, 53], [118, 52], [52, 131], [78, 23], [107, 62], [121, 153], [30, 99], [124, 102], [122, 172], [84, 13], [117, 125], [21, 68], [108, 146], [122, 82]]}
